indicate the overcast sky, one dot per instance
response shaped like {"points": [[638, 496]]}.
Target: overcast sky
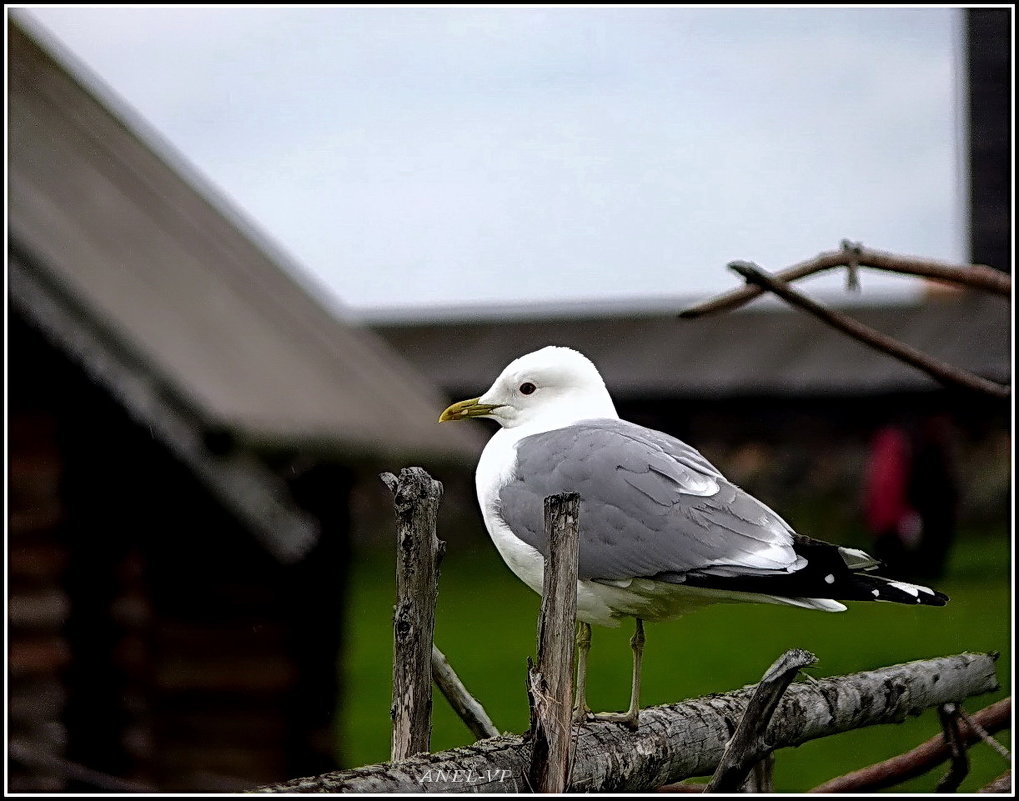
{"points": [[422, 156]]}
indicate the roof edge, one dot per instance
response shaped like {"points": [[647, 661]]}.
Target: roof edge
{"points": [[260, 499]]}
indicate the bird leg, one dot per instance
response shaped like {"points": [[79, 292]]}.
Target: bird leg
{"points": [[630, 716], [580, 708]]}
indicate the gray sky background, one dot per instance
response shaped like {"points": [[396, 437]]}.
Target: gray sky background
{"points": [[408, 158]]}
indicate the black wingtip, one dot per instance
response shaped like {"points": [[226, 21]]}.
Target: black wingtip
{"points": [[903, 592]]}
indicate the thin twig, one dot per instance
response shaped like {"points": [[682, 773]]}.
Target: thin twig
{"points": [[748, 745], [942, 371], [985, 735], [920, 760], [977, 276], [958, 768], [466, 706]]}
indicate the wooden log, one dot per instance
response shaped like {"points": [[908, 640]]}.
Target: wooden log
{"points": [[550, 684], [38, 611], [418, 552], [680, 740]]}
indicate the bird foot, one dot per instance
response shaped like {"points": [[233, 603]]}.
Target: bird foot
{"points": [[629, 719], [582, 714]]}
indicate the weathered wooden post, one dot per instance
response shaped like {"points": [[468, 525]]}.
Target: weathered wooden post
{"points": [[550, 685], [418, 552]]}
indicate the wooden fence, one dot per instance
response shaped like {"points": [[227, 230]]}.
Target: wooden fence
{"points": [[730, 736]]}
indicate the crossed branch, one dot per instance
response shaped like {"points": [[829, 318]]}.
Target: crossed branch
{"points": [[853, 256]]}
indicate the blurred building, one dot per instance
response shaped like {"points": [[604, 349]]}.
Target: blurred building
{"points": [[185, 426]]}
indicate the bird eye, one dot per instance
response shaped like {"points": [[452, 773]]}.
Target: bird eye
{"points": [[527, 388]]}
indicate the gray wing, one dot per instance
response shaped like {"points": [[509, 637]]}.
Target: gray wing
{"points": [[650, 505]]}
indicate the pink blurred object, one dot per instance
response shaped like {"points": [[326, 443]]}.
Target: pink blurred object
{"points": [[886, 503]]}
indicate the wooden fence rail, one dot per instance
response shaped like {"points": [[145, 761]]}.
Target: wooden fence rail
{"points": [[677, 741]]}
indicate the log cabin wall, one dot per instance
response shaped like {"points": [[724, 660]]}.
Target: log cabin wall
{"points": [[152, 640]]}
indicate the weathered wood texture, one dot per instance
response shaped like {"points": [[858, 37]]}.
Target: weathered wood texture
{"points": [[749, 744], [680, 740], [550, 684], [418, 551], [466, 706]]}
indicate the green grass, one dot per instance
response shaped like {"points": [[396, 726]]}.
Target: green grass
{"points": [[486, 626]]}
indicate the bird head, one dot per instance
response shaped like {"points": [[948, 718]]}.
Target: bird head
{"points": [[549, 388]]}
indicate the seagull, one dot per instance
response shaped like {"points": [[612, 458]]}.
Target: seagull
{"points": [[662, 531]]}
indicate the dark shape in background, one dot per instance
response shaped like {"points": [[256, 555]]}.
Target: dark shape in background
{"points": [[988, 65], [911, 497]]}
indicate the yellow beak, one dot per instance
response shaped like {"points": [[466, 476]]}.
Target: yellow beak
{"points": [[467, 408]]}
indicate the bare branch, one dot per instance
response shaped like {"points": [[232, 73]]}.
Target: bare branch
{"points": [[677, 741], [941, 371], [466, 706], [551, 684], [748, 745], [977, 276], [919, 760], [948, 714], [418, 551], [985, 735]]}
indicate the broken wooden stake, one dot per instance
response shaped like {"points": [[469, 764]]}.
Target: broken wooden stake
{"points": [[958, 763], [550, 684], [749, 744], [418, 552]]}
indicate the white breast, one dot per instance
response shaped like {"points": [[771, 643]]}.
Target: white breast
{"points": [[596, 603], [494, 469]]}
